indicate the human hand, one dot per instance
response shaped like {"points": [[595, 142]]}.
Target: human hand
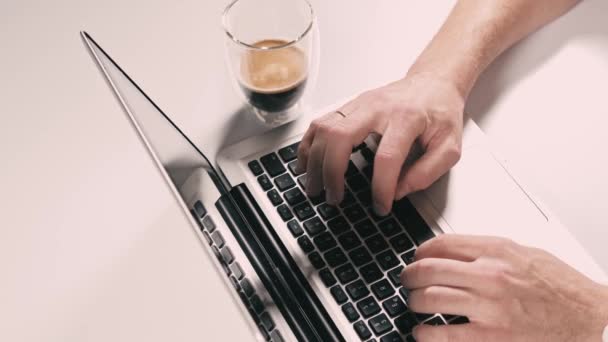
{"points": [[509, 293], [420, 108]]}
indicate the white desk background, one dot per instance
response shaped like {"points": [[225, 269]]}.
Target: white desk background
{"points": [[77, 194]]}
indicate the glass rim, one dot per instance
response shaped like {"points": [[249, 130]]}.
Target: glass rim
{"points": [[276, 47]]}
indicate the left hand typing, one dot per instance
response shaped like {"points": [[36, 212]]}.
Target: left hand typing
{"points": [[509, 293]]}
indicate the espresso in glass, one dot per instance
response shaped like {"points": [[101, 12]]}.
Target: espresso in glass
{"points": [[273, 77]]}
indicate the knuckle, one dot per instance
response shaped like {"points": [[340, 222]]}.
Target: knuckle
{"points": [[454, 152]]}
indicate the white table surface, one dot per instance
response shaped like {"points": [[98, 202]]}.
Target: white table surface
{"points": [[78, 194]]}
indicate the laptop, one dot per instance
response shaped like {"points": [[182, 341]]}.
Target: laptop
{"points": [[299, 269]]}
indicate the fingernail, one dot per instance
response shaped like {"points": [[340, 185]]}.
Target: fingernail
{"points": [[330, 197], [379, 210]]}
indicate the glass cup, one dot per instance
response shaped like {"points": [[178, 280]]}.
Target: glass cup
{"points": [[272, 52]]}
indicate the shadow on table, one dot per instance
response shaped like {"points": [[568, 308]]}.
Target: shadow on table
{"points": [[587, 20]]}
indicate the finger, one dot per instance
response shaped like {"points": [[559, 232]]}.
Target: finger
{"points": [[444, 299], [396, 142], [314, 167], [308, 138], [433, 271], [341, 137], [469, 332], [434, 163], [454, 246]]}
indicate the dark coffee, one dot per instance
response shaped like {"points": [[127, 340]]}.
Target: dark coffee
{"points": [[274, 79]]}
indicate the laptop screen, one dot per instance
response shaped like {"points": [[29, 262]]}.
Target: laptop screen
{"points": [[178, 155]]}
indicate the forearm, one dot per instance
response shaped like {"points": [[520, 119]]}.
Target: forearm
{"points": [[478, 31]]}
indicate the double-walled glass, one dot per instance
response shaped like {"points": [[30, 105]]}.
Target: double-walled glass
{"points": [[272, 54]]}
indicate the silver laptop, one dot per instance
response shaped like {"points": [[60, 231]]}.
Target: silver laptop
{"points": [[301, 269]]}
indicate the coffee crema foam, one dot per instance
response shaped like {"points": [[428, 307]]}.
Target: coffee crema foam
{"points": [[274, 70]]}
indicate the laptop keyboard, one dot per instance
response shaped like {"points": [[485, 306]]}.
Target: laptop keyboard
{"points": [[358, 255]]}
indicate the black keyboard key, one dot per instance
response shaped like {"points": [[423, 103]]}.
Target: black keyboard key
{"points": [[320, 198], [306, 244], [327, 278], [247, 288], [208, 224], [359, 147], [362, 330], [395, 276], [410, 338], [368, 171], [383, 289], [348, 200], [285, 212], [338, 294], [408, 257], [266, 321], [346, 274], [401, 243], [335, 257], [376, 243], [218, 239], [264, 182], [272, 164], [365, 228], [459, 320], [316, 260], [349, 240], [393, 336], [435, 321], [199, 210], [365, 197], [380, 324], [422, 316], [360, 256], [294, 196], [274, 197], [304, 211], [394, 306], [295, 228], [327, 211], [275, 336], [354, 213], [447, 317], [227, 255], [237, 271], [389, 227], [387, 260], [256, 304], [368, 307], [368, 154], [338, 225], [406, 323], [255, 167], [325, 241], [351, 170], [357, 182], [371, 272], [314, 226], [357, 290], [412, 221], [292, 166], [350, 312], [289, 153], [284, 182]]}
